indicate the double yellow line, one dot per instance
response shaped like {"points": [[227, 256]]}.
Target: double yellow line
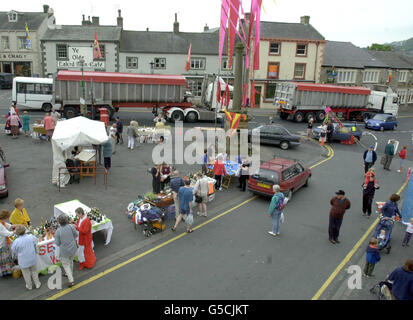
{"points": [[350, 254]]}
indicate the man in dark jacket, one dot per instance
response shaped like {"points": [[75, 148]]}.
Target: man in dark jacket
{"points": [[369, 157], [330, 130], [176, 183], [402, 281], [339, 205], [388, 155], [119, 131]]}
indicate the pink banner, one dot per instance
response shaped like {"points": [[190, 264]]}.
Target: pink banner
{"points": [[233, 18], [223, 27], [257, 36]]}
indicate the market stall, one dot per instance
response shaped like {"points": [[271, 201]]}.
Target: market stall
{"points": [[231, 168], [47, 251], [77, 131], [151, 134]]}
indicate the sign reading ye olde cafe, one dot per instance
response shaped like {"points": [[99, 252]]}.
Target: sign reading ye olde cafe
{"points": [[76, 54]]}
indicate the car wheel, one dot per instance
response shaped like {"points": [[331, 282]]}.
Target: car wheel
{"points": [[382, 128], [299, 117], [191, 117], [306, 182], [309, 115], [284, 145], [177, 116], [321, 115], [47, 107], [70, 112]]}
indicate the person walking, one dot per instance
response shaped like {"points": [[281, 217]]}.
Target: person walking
{"points": [[369, 157], [49, 125], [369, 190], [85, 252], [244, 173], [330, 130], [310, 128], [372, 257], [166, 172], [275, 210], [390, 208], [107, 155], [14, 124], [119, 131], [370, 174], [388, 155], [402, 157], [65, 239], [131, 133], [156, 179], [24, 248], [402, 281], [6, 232], [113, 137], [204, 167], [176, 183], [201, 190], [185, 196], [339, 205], [323, 134], [219, 171], [19, 214], [408, 234], [26, 123]]}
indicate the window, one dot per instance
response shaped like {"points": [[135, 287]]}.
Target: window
{"points": [[301, 49], [410, 96], [275, 48], [159, 63], [346, 76], [195, 87], [34, 88], [299, 71], [45, 89], [198, 63], [5, 42], [402, 96], [273, 70], [403, 76], [131, 63], [276, 130], [61, 51], [371, 76], [225, 64], [12, 16], [270, 91], [289, 174], [21, 43]]}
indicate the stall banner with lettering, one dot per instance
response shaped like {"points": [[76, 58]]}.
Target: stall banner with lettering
{"points": [[47, 256]]}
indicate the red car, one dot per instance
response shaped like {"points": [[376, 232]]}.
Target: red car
{"points": [[288, 174]]}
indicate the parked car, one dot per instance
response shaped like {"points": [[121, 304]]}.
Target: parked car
{"points": [[288, 174], [276, 135], [340, 133], [4, 191], [382, 121], [6, 80]]}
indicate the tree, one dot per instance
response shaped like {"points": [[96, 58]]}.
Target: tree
{"points": [[380, 47]]}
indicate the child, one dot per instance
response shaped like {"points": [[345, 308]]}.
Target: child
{"points": [[372, 257], [402, 156], [409, 232], [367, 176], [381, 238], [26, 123]]}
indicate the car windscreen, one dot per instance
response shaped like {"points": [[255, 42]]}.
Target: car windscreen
{"points": [[268, 176], [381, 117]]}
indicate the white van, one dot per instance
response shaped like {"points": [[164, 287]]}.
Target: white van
{"points": [[390, 102], [33, 93]]}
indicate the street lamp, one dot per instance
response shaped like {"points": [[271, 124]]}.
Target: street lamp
{"points": [[83, 107]]}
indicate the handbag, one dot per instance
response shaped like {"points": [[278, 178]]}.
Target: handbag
{"points": [[383, 160], [198, 199]]}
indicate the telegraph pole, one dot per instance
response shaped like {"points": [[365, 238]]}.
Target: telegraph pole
{"points": [[83, 107]]}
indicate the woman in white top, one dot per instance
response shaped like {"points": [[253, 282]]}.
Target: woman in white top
{"points": [[323, 134], [6, 260], [201, 190]]}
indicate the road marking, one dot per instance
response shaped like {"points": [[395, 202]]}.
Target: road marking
{"points": [[375, 138], [350, 254], [118, 266], [403, 117]]}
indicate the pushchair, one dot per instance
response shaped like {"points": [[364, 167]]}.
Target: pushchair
{"points": [[387, 225], [150, 217], [383, 289]]}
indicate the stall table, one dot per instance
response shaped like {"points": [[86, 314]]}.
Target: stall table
{"points": [[231, 168]]}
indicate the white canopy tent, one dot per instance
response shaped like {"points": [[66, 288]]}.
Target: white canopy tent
{"points": [[78, 131]]}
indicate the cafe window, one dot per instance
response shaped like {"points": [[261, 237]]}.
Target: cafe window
{"points": [[301, 49], [198, 63], [61, 51], [273, 70]]}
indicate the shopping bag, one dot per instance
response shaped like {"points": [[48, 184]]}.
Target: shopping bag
{"points": [[189, 220], [282, 217], [383, 160]]}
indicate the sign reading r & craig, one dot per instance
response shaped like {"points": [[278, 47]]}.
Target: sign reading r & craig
{"points": [[76, 54]]}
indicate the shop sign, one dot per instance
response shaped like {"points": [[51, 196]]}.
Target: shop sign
{"points": [[77, 64], [13, 56]]}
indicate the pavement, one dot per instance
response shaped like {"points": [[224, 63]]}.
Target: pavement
{"points": [[230, 255]]}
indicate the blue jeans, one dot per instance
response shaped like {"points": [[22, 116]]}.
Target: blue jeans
{"points": [[276, 221]]}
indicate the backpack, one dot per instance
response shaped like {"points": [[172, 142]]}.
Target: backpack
{"points": [[280, 204]]}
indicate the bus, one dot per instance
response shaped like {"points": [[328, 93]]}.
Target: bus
{"points": [[33, 93]]}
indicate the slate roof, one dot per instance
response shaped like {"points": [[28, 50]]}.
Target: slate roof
{"points": [[83, 33], [347, 55], [393, 60], [283, 30], [33, 19], [169, 42]]}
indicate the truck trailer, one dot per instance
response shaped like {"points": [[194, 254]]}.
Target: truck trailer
{"points": [[302, 101], [114, 90]]}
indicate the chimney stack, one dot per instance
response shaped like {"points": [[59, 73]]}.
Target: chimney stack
{"points": [[176, 24], [95, 21], [206, 28], [45, 8], [120, 19], [305, 20]]}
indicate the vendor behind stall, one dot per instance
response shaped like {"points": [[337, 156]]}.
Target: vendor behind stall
{"points": [[166, 175], [156, 178]]}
